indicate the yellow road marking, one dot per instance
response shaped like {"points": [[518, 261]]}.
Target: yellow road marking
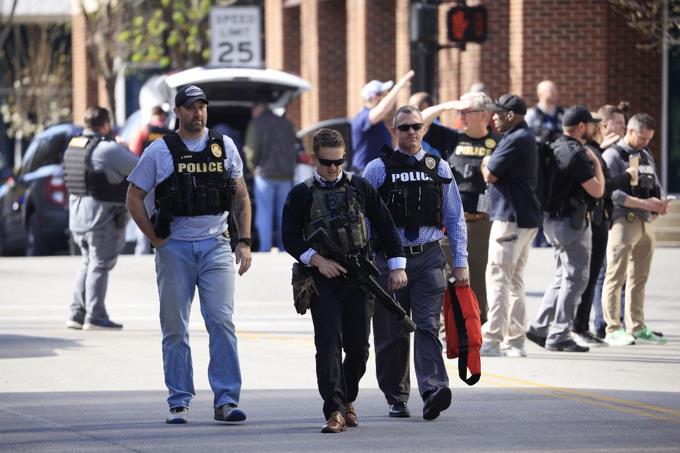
{"points": [[592, 399]]}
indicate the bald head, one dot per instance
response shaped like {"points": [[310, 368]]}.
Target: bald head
{"points": [[546, 91]]}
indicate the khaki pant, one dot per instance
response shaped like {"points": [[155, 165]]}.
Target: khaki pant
{"points": [[629, 258], [505, 282]]}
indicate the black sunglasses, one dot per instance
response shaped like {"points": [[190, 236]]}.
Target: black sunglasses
{"points": [[329, 162], [406, 127]]}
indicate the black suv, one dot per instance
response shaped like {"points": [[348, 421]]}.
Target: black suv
{"points": [[34, 202]]}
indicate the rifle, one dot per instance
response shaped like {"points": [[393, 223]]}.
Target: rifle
{"points": [[361, 273]]}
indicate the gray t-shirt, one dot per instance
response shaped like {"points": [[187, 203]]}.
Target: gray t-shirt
{"points": [[86, 213], [156, 165]]}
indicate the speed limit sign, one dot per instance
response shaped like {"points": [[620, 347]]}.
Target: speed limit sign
{"points": [[236, 37]]}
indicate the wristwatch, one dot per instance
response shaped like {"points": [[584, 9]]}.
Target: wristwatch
{"points": [[246, 241]]}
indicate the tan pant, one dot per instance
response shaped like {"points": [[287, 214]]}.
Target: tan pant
{"points": [[629, 258], [505, 282]]}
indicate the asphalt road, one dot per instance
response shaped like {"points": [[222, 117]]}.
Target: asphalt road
{"points": [[65, 390]]}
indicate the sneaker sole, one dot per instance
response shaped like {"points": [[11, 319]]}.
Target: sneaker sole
{"points": [[73, 325], [176, 421], [93, 327]]}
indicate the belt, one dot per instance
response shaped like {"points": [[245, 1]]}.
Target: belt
{"points": [[475, 216], [411, 250]]}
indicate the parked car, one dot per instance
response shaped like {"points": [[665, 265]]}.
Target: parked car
{"points": [[34, 201]]}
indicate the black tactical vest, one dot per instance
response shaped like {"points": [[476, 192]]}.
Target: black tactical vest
{"points": [[338, 211], [82, 180], [412, 189], [200, 184], [466, 160], [155, 132], [647, 186]]}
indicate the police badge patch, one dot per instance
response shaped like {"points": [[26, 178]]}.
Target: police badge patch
{"points": [[490, 143], [216, 150], [430, 162]]}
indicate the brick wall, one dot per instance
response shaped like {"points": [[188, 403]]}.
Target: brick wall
{"points": [[85, 88], [371, 50], [566, 42], [633, 75], [291, 62], [332, 82]]}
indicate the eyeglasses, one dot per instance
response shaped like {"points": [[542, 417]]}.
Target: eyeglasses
{"points": [[329, 162], [405, 127], [467, 112]]}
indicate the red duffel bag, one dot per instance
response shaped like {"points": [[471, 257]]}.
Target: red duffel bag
{"points": [[463, 331]]}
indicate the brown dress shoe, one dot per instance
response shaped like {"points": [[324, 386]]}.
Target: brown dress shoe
{"points": [[335, 424], [351, 417]]}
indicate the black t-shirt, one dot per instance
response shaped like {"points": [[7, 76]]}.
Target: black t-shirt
{"points": [[573, 169], [440, 140], [470, 152], [515, 163]]}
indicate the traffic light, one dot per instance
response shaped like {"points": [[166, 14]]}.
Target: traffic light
{"points": [[423, 23], [466, 24]]}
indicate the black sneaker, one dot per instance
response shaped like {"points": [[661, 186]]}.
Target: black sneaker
{"points": [[532, 336], [107, 324], [601, 332], [229, 413], [436, 402], [567, 346], [399, 410], [587, 339]]}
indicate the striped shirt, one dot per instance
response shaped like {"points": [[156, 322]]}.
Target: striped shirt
{"points": [[452, 211]]}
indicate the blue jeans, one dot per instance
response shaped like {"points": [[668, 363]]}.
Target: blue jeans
{"points": [[270, 196], [181, 266]]}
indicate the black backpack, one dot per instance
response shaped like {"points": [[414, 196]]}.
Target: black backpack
{"points": [[547, 168]]}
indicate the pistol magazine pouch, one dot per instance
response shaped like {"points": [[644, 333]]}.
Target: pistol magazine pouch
{"points": [[303, 288]]}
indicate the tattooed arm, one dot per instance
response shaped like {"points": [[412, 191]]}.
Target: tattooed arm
{"points": [[242, 213]]}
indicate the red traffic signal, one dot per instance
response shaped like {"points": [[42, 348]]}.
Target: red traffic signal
{"points": [[466, 24]]}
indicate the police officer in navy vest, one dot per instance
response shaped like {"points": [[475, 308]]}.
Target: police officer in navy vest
{"points": [[95, 168], [340, 203], [574, 181], [419, 190], [198, 177]]}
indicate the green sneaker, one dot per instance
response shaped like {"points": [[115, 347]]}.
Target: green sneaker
{"points": [[619, 338], [646, 334]]}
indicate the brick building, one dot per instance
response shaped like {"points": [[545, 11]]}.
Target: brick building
{"points": [[338, 45]]}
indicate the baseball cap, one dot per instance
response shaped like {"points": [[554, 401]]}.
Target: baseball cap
{"points": [[189, 94], [509, 103], [578, 114], [375, 87]]}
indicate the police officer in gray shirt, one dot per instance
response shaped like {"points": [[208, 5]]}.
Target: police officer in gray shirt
{"points": [[95, 168]]}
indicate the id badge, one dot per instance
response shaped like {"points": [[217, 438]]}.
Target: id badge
{"points": [[483, 203]]}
